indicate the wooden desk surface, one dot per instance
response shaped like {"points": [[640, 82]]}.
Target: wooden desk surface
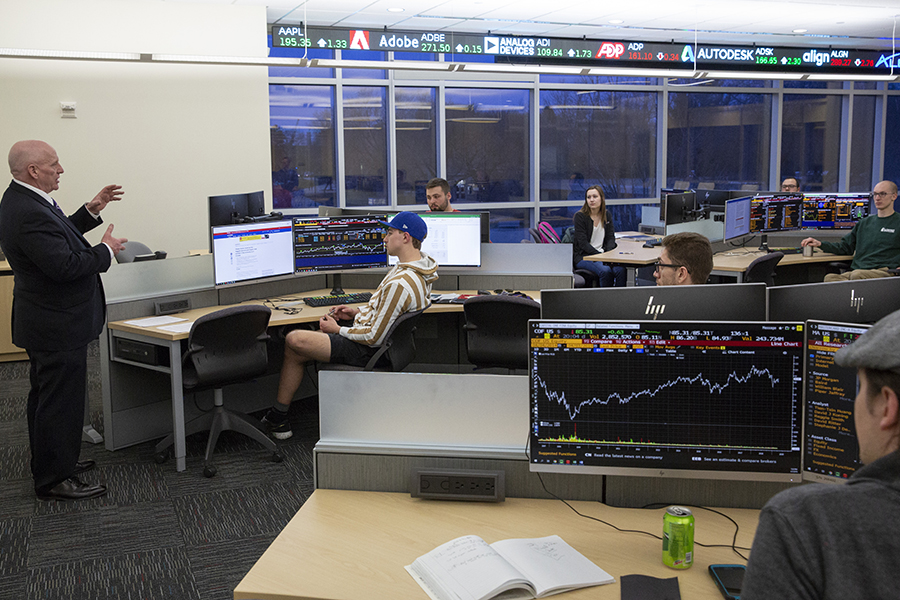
{"points": [[349, 545], [629, 252], [307, 314]]}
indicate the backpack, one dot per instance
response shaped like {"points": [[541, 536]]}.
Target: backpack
{"points": [[547, 234], [569, 236]]}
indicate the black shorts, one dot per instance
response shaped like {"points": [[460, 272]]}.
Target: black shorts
{"points": [[347, 352]]}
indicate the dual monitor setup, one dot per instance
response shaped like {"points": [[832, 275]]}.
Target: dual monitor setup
{"points": [[251, 250], [644, 391]]}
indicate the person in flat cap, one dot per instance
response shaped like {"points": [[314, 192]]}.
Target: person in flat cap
{"points": [[842, 541]]}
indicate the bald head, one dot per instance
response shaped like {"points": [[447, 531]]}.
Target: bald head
{"points": [[35, 162]]}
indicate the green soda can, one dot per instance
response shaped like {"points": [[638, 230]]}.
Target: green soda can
{"points": [[678, 538]]}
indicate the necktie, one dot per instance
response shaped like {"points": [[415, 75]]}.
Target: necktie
{"points": [[56, 206]]}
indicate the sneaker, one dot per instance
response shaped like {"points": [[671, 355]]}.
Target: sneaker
{"points": [[278, 424]]}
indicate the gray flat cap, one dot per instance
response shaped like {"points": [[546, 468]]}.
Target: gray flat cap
{"points": [[878, 348]]}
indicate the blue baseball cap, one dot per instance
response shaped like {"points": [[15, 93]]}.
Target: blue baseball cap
{"points": [[410, 223]]}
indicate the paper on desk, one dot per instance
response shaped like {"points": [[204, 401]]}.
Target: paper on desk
{"points": [[153, 321], [179, 328]]}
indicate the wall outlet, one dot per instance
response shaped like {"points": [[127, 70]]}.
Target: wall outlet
{"points": [[461, 484], [172, 306]]}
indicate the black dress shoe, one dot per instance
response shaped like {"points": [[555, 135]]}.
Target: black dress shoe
{"points": [[72, 489], [84, 465]]}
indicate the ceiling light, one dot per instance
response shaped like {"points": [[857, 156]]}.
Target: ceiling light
{"points": [[616, 21], [396, 9], [68, 54], [800, 30]]}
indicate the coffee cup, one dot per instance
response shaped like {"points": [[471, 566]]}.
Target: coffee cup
{"points": [[807, 250]]}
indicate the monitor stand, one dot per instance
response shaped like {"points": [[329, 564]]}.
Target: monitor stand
{"points": [[764, 244], [337, 290]]}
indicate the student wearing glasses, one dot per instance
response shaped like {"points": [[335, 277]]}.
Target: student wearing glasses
{"points": [[790, 184], [874, 242], [686, 259]]}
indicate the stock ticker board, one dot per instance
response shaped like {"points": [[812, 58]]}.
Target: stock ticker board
{"points": [[594, 53]]}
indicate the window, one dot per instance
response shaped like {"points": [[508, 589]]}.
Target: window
{"points": [[365, 146], [811, 141], [719, 140], [416, 142], [301, 119], [488, 144], [862, 144], [596, 137]]}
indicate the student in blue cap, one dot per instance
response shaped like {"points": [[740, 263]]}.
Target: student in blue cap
{"points": [[406, 287]]}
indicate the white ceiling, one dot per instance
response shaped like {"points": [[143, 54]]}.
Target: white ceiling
{"points": [[844, 23]]}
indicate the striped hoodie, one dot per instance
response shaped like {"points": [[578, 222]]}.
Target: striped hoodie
{"points": [[405, 288]]}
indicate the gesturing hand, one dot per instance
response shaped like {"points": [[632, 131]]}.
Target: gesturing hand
{"points": [[111, 193], [117, 244]]}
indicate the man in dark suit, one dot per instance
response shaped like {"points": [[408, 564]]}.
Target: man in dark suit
{"points": [[58, 308]]}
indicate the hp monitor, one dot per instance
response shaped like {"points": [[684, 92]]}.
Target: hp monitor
{"points": [[834, 211], [830, 447], [776, 212], [703, 400], [857, 301], [720, 302]]}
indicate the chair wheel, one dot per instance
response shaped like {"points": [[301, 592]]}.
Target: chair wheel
{"points": [[161, 457], [209, 471], [277, 457]]}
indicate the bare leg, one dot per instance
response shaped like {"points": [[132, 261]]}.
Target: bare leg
{"points": [[301, 346]]}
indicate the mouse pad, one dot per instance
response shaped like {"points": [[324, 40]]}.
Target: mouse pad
{"points": [[644, 587]]}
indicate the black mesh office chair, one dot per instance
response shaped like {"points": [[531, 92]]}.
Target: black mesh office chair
{"points": [[132, 249], [395, 353], [762, 269], [225, 347], [497, 330]]}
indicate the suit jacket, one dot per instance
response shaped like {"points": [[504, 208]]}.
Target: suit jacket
{"points": [[58, 300]]}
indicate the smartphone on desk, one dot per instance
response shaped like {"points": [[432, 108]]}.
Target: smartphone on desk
{"points": [[729, 579]]}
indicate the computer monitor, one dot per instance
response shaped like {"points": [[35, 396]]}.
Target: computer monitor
{"points": [[338, 243], [855, 301], [701, 399], [776, 212], [830, 447], [737, 218], [714, 199], [333, 211], [679, 208], [834, 211], [227, 209], [251, 251], [717, 302], [453, 240], [256, 204]]}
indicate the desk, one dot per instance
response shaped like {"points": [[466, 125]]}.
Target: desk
{"points": [[171, 343], [348, 545], [730, 262]]}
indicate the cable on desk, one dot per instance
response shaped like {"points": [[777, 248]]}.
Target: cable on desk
{"points": [[734, 547]]}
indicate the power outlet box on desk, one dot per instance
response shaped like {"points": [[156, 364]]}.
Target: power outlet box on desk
{"points": [[458, 484]]}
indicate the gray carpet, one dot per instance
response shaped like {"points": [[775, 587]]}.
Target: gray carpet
{"points": [[157, 533]]}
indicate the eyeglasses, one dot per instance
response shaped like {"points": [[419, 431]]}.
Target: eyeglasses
{"points": [[882, 194], [659, 264]]}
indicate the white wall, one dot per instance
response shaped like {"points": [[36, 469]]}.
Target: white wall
{"points": [[171, 135]]}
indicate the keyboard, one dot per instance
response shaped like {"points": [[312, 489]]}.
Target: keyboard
{"points": [[338, 299], [787, 250]]}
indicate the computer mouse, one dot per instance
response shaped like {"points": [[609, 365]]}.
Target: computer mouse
{"points": [[648, 245], [484, 293]]}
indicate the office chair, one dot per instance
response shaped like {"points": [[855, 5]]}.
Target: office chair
{"points": [[535, 236], [706, 185], [135, 251], [750, 187], [497, 330], [762, 269], [395, 353], [225, 347]]}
